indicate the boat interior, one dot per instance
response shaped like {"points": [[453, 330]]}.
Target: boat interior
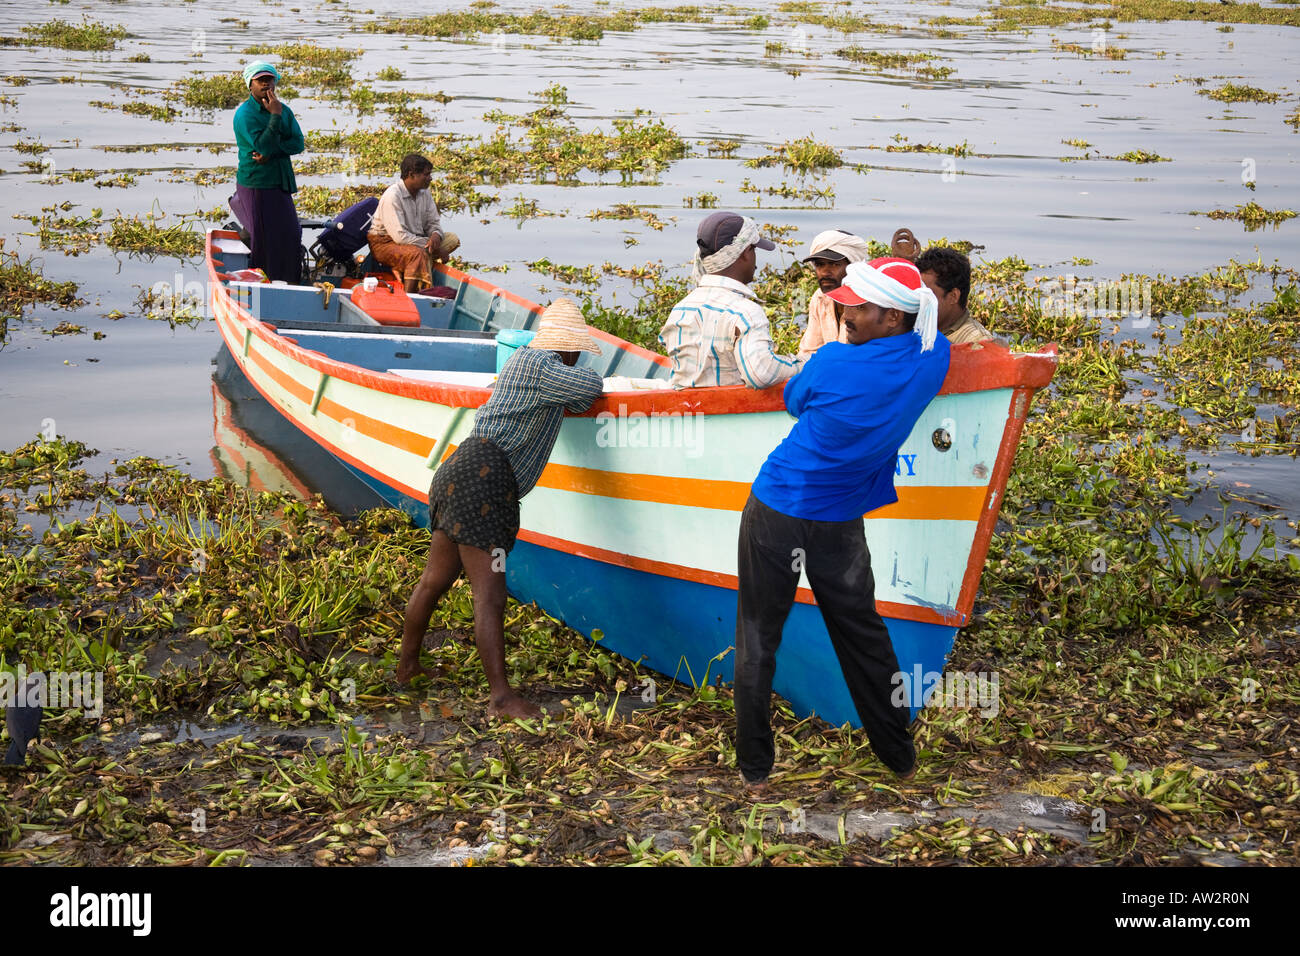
{"points": [[451, 340]]}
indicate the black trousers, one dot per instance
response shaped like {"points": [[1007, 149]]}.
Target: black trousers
{"points": [[773, 546]]}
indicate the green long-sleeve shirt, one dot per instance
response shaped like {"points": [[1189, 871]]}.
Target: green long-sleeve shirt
{"points": [[275, 137]]}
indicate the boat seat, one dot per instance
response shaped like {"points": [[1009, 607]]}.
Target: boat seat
{"points": [[233, 246], [617, 383], [447, 377], [624, 383]]}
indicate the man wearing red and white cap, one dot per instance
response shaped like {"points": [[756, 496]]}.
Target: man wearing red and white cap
{"points": [[856, 403]]}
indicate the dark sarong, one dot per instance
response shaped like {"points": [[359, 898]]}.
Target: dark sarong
{"points": [[474, 499], [275, 236]]}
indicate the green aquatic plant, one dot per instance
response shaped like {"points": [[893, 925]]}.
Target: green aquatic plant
{"points": [[146, 235], [539, 23], [704, 200], [306, 55], [901, 144], [87, 35], [1141, 156], [1021, 15], [1101, 49], [156, 111], [879, 60], [630, 211], [1232, 93], [935, 72], [574, 275], [218, 91], [812, 194], [22, 284], [802, 155], [1252, 215]]}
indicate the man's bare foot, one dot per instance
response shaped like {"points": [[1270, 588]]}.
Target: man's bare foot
{"points": [[755, 788], [408, 672], [904, 244], [512, 707]]}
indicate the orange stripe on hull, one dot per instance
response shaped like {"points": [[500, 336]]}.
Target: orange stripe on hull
{"points": [[953, 503]]}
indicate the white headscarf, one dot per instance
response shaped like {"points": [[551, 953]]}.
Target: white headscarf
{"points": [[717, 261], [851, 247], [872, 281]]}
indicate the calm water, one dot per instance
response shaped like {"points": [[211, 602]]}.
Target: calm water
{"points": [[146, 389]]}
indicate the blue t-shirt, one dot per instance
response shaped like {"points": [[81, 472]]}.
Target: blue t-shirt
{"points": [[855, 405]]}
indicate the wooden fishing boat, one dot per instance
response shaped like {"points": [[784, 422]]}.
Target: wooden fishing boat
{"points": [[630, 535]]}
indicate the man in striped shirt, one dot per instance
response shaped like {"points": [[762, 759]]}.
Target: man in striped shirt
{"points": [[718, 334]]}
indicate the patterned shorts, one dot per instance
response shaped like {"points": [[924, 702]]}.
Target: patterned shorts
{"points": [[474, 499]]}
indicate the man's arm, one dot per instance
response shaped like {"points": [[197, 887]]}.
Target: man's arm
{"points": [[389, 216], [799, 389], [432, 221], [407, 233], [291, 138], [265, 143], [573, 387], [759, 365]]}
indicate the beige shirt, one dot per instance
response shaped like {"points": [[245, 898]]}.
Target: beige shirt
{"points": [[406, 219], [822, 325], [968, 330]]}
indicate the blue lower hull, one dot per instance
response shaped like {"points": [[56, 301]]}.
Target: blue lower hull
{"points": [[677, 627]]}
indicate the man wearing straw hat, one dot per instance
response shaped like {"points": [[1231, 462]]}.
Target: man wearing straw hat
{"points": [[267, 135], [474, 498], [718, 334], [856, 403]]}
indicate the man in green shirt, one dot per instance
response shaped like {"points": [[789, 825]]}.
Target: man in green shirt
{"points": [[267, 135]]}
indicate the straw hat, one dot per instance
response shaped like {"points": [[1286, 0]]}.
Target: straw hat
{"points": [[563, 329]]}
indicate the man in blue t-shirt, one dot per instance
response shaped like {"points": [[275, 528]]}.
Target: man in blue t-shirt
{"points": [[855, 403]]}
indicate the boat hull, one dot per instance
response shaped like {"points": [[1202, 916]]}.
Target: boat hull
{"points": [[630, 535]]}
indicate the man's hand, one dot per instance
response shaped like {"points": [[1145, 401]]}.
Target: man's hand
{"points": [[258, 157], [273, 104], [904, 245]]}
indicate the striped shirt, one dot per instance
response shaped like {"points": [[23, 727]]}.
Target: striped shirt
{"points": [[718, 335], [968, 330], [523, 416]]}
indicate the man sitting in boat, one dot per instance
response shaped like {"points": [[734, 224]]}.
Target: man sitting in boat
{"points": [[830, 254], [267, 135], [474, 498], [856, 403], [718, 334], [947, 273], [406, 234]]}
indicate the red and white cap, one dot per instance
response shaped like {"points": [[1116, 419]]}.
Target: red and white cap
{"points": [[892, 283]]}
